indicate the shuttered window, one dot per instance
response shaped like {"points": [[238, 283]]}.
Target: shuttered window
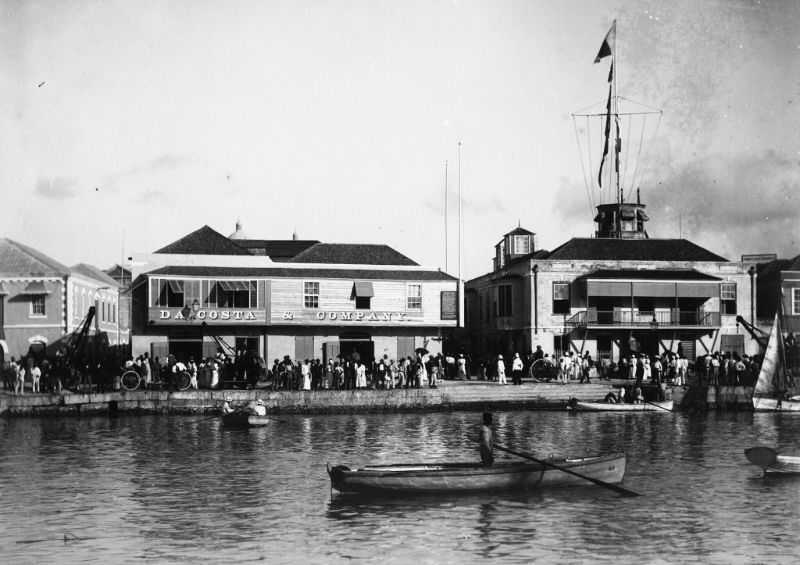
{"points": [[561, 303], [727, 298]]}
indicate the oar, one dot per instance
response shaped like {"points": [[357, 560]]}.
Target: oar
{"points": [[616, 488], [761, 456]]}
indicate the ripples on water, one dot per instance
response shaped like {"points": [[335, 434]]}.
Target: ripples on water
{"points": [[183, 489]]}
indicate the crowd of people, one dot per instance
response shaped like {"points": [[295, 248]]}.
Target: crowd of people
{"points": [[244, 369]]}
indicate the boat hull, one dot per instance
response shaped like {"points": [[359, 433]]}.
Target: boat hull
{"points": [[764, 404], [664, 406], [474, 477], [244, 420]]}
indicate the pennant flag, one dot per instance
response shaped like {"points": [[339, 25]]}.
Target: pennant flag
{"points": [[607, 48], [611, 72], [608, 131]]}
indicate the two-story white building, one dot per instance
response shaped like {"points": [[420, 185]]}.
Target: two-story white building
{"points": [[206, 292]]}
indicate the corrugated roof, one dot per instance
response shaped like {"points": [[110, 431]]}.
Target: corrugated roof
{"points": [[352, 254], [279, 248], [650, 274], [610, 249], [94, 273], [204, 241], [17, 260], [245, 272]]}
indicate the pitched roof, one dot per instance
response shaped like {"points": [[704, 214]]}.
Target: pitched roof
{"points": [[352, 254], [650, 274], [247, 272], [17, 259], [92, 272], [585, 248], [277, 248], [519, 230], [204, 241]]}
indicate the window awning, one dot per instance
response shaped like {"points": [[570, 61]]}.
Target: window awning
{"points": [[175, 286], [363, 289], [35, 287], [233, 286]]}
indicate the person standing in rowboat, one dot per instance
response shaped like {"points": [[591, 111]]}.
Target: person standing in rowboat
{"points": [[486, 440]]}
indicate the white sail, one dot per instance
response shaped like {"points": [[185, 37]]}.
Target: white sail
{"points": [[771, 378]]}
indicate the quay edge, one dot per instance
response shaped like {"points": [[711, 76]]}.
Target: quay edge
{"points": [[449, 396]]}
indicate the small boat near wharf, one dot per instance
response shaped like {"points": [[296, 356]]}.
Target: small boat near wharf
{"points": [[442, 478], [775, 389], [579, 405], [772, 462], [244, 420]]}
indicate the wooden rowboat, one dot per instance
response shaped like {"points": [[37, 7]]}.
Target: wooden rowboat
{"points": [[771, 461], [426, 478], [244, 420], [662, 406]]}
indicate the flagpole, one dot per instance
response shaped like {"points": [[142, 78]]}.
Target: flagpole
{"points": [[460, 247], [615, 70], [445, 217]]}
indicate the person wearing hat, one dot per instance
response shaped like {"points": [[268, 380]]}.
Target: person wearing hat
{"points": [[260, 409], [516, 370], [226, 406], [486, 441], [501, 371]]}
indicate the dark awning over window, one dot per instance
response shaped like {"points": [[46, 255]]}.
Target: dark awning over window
{"points": [[234, 285], [36, 287], [363, 289], [175, 286], [698, 290]]}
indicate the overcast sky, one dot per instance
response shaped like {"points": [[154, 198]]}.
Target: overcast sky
{"points": [[335, 119]]}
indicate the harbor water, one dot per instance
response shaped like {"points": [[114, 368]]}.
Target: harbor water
{"points": [[163, 489]]}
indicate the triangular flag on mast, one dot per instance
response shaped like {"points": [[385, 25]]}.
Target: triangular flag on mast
{"points": [[607, 48]]}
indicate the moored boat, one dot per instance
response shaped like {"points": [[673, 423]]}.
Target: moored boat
{"points": [[772, 462], [422, 478], [244, 420], [579, 405]]}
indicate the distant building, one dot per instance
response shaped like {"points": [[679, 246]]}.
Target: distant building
{"points": [[304, 299], [42, 300], [613, 294], [778, 287]]}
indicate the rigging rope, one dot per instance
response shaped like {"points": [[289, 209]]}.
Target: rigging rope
{"points": [[583, 167]]}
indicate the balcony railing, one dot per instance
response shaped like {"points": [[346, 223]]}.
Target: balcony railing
{"points": [[642, 319]]}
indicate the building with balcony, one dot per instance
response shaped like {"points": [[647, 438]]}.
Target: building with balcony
{"points": [[42, 301], [613, 294], [304, 299]]}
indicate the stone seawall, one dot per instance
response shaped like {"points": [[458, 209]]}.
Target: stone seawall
{"points": [[450, 395]]}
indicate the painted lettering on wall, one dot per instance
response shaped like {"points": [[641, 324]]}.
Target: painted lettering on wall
{"points": [[360, 316], [242, 315]]}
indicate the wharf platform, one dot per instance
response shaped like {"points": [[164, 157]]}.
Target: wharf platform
{"points": [[450, 395]]}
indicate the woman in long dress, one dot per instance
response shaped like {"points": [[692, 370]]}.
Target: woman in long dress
{"points": [[306, 370], [361, 375]]}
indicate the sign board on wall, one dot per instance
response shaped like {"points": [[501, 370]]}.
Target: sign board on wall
{"points": [[187, 316], [449, 305]]}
